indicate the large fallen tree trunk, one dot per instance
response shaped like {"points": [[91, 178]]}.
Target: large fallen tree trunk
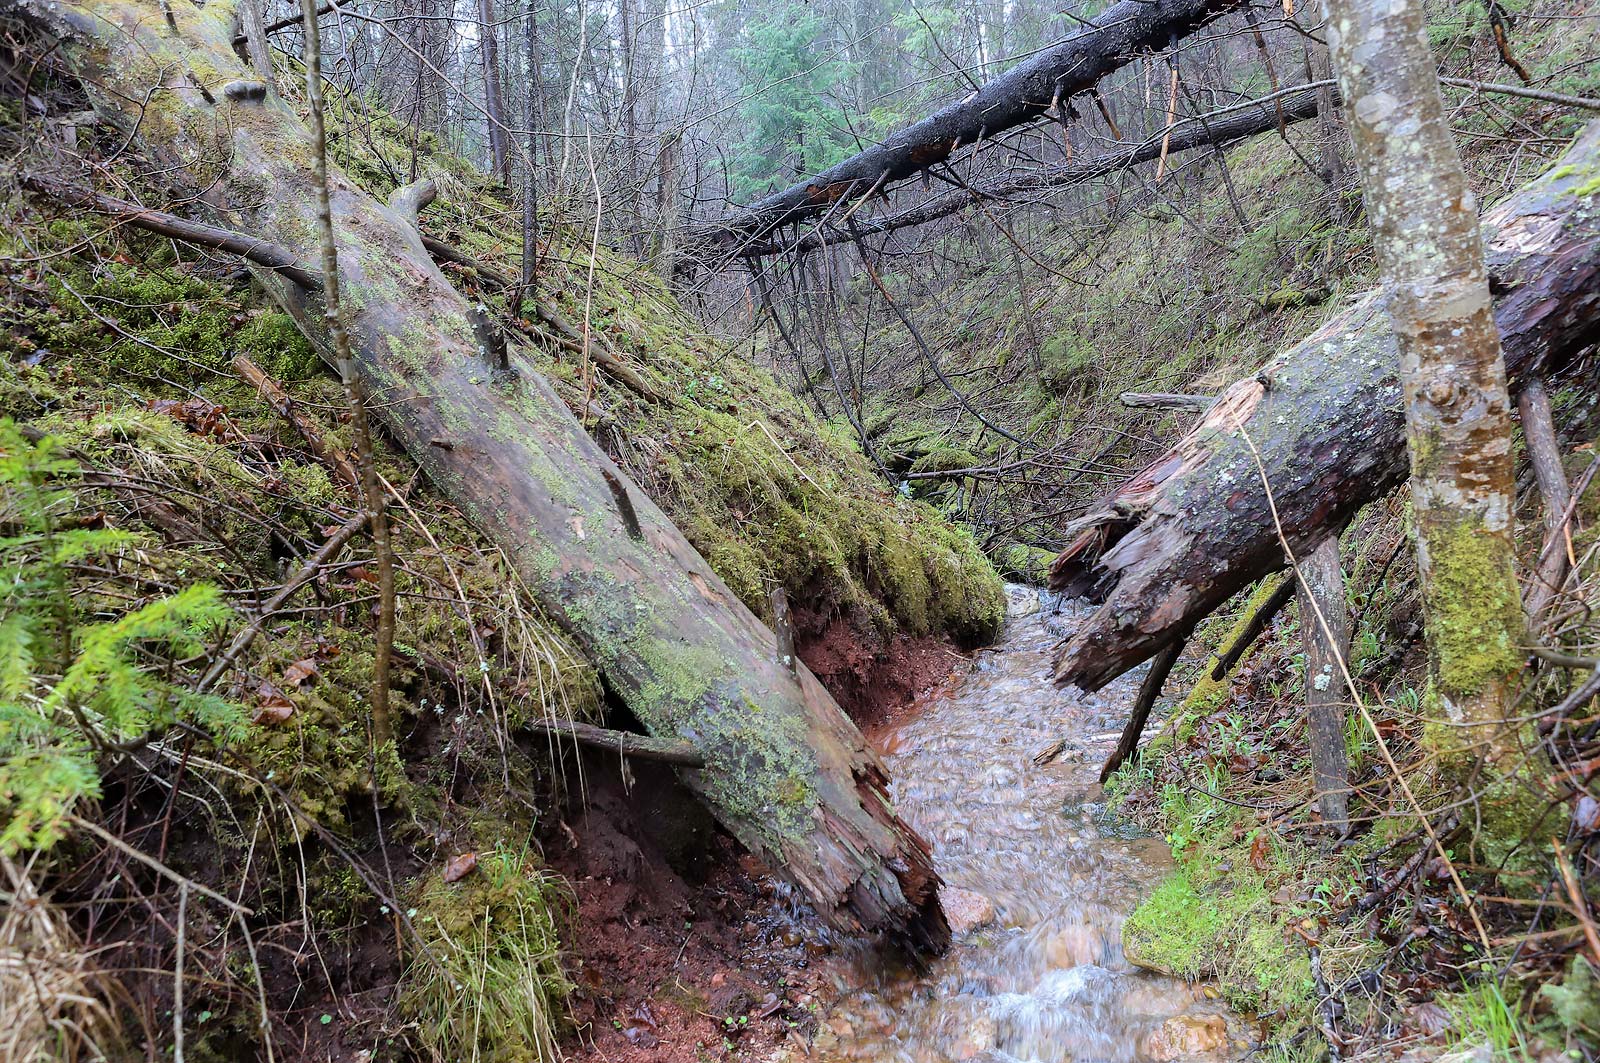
{"points": [[1323, 424], [1225, 126], [1022, 94], [785, 770]]}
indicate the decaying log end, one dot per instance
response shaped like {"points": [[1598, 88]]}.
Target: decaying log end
{"points": [[917, 909], [1323, 425]]}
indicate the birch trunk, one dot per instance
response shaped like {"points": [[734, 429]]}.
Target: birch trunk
{"points": [[1425, 229]]}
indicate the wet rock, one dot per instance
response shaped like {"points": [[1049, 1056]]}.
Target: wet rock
{"points": [[978, 1038], [1075, 945], [966, 910], [1187, 1036]]}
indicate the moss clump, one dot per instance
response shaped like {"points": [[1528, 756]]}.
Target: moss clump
{"points": [[1173, 930], [490, 985], [1069, 363], [1229, 931], [1474, 613], [946, 459], [1023, 563]]}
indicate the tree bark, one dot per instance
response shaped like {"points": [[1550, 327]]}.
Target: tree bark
{"points": [[494, 106], [786, 772], [1325, 632], [1426, 233], [1194, 527], [1022, 94]]}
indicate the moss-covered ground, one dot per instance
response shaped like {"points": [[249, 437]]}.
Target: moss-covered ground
{"points": [[120, 345]]}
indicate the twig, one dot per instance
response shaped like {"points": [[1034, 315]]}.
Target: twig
{"points": [[177, 974], [1580, 903], [156, 865], [280, 403], [644, 747], [313, 564]]}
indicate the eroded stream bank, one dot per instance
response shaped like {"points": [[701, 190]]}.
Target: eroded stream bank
{"points": [[1040, 878]]}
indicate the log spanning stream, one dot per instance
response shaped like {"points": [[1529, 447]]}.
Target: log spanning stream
{"points": [[1031, 856]]}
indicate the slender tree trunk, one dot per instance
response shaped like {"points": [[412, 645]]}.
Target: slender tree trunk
{"points": [[372, 494], [1458, 414], [530, 165], [1325, 631], [493, 98]]}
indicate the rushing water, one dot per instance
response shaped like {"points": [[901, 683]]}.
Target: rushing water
{"points": [[1045, 979]]}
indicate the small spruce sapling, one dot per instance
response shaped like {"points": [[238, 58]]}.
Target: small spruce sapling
{"points": [[70, 688]]}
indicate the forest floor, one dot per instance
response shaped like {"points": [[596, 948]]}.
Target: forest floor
{"points": [[687, 947]]}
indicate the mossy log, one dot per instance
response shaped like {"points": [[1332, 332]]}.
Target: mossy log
{"points": [[1323, 423], [785, 770]]}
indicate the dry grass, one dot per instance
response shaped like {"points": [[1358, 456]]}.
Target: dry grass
{"points": [[52, 1004]]}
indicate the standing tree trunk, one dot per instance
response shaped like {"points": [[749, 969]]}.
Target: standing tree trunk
{"points": [[1325, 631], [1458, 413], [530, 177], [493, 98]]}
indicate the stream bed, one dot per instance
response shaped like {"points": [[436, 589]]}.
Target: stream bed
{"points": [[1039, 879]]}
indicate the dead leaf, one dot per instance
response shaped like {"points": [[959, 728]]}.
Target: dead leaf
{"points": [[460, 866], [298, 672], [273, 706], [1258, 852]]}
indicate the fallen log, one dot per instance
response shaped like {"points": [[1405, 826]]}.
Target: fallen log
{"points": [[785, 771], [1322, 424], [1026, 92], [1220, 128]]}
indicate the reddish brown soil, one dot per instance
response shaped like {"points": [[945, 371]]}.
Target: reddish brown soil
{"points": [[873, 681], [677, 930], [683, 948]]}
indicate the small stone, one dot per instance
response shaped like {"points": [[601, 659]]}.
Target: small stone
{"points": [[1186, 1036], [967, 910], [978, 1038]]}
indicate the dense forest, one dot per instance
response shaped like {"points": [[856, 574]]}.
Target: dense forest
{"points": [[611, 530]]}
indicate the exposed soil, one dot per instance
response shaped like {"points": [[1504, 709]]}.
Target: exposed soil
{"points": [[873, 680], [684, 947]]}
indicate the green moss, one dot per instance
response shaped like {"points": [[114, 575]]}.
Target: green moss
{"points": [[1173, 930], [1231, 932], [946, 459], [490, 985], [1023, 563], [1474, 613]]}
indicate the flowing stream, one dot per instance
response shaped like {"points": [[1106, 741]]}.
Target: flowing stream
{"points": [[1029, 854]]}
